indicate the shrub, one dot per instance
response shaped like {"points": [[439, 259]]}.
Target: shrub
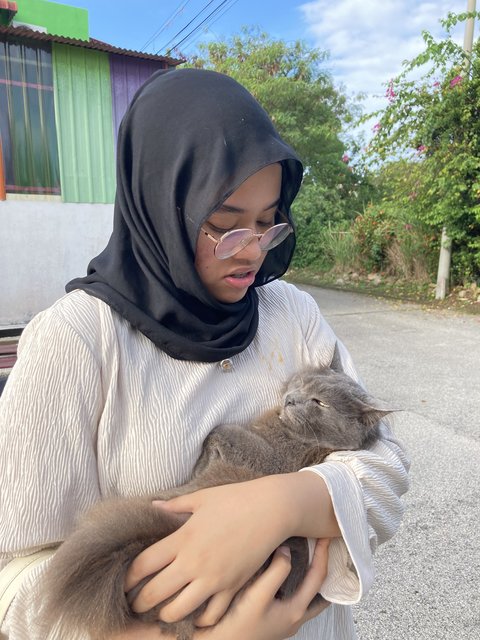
{"points": [[432, 122], [373, 234]]}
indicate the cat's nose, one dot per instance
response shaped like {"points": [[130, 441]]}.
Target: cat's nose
{"points": [[289, 400]]}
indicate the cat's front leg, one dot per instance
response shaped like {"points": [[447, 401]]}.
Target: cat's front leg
{"points": [[234, 446], [226, 457]]}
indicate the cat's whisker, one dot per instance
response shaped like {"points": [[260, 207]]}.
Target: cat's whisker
{"points": [[313, 432]]}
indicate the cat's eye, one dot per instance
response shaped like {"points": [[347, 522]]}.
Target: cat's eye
{"points": [[321, 403]]}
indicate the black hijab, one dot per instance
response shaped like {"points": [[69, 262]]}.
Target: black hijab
{"points": [[189, 138]]}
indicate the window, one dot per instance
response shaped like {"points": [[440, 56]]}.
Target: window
{"points": [[27, 118]]}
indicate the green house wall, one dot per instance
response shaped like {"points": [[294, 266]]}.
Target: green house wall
{"points": [[58, 19], [83, 111]]}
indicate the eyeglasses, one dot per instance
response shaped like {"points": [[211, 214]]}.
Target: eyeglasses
{"points": [[234, 241]]}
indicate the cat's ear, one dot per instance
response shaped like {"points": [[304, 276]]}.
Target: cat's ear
{"points": [[372, 411]]}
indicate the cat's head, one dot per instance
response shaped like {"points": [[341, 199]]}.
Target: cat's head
{"points": [[331, 409]]}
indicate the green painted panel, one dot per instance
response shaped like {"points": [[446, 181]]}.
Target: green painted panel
{"points": [[58, 19], [83, 109]]}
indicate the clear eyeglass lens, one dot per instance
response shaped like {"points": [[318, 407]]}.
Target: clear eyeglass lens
{"points": [[234, 241], [274, 236]]}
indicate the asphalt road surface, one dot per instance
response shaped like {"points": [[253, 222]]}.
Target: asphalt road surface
{"points": [[426, 363]]}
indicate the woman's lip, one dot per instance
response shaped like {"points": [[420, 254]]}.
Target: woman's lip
{"points": [[241, 280]]}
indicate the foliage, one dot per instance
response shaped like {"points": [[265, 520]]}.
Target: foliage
{"points": [[339, 249], [390, 240], [428, 141], [373, 234], [425, 154]]}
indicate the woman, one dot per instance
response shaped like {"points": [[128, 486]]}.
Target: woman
{"points": [[182, 324]]}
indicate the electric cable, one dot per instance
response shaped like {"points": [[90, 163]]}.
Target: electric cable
{"points": [[223, 4], [168, 22], [164, 47]]}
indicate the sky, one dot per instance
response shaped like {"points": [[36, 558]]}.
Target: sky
{"points": [[367, 40]]}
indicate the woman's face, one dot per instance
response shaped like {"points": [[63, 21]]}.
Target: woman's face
{"points": [[252, 206]]}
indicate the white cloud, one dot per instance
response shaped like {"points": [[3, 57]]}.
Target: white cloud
{"points": [[368, 40]]}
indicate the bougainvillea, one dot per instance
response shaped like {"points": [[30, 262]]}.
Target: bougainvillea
{"points": [[434, 121]]}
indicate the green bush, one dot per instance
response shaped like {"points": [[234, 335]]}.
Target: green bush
{"points": [[373, 234], [391, 239], [428, 139], [382, 239], [340, 249]]}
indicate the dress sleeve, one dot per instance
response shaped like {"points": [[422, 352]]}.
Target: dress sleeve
{"points": [[49, 412], [365, 487]]}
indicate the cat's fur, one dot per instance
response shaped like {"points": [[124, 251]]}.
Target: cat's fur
{"points": [[322, 411]]}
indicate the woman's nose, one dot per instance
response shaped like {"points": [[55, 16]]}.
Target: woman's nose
{"points": [[251, 251]]}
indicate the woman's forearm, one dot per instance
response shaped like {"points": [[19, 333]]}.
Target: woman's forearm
{"points": [[309, 505]]}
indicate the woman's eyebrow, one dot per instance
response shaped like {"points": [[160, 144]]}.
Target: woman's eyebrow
{"points": [[227, 208]]}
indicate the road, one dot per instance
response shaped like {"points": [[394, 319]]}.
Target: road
{"points": [[426, 363]]}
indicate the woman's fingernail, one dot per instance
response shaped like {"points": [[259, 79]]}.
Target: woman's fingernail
{"points": [[158, 503], [323, 542], [284, 550]]}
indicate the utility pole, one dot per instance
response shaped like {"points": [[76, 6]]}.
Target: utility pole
{"points": [[443, 275], [468, 38]]}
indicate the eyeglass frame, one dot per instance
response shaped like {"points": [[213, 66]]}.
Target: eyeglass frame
{"points": [[242, 245], [259, 236]]}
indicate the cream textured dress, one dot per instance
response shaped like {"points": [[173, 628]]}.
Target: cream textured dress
{"points": [[94, 409]]}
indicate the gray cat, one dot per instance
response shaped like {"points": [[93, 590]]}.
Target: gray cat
{"points": [[322, 411]]}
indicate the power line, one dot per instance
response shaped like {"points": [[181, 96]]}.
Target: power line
{"points": [[207, 20], [168, 22], [187, 25], [224, 12], [193, 42], [197, 28]]}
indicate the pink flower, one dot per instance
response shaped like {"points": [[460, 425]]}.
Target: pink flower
{"points": [[436, 84], [454, 81], [377, 127], [345, 158], [390, 94], [421, 149]]}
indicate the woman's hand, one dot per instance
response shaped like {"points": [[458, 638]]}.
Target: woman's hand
{"points": [[233, 529], [258, 615]]}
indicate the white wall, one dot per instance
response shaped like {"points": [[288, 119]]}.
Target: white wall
{"points": [[43, 245]]}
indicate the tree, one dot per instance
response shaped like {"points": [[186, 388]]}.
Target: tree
{"points": [[432, 122]]}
